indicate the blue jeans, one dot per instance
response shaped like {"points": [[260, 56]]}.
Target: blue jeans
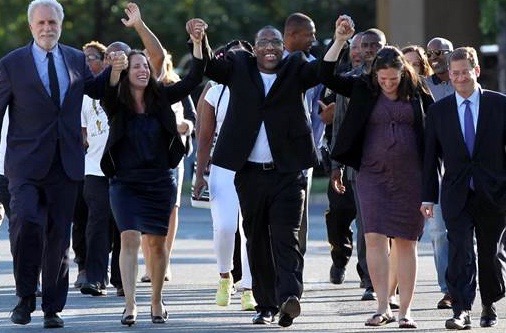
{"points": [[437, 231]]}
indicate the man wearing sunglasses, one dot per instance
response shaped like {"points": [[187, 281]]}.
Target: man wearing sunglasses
{"points": [[438, 53]]}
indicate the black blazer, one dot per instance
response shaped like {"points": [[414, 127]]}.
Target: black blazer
{"points": [[444, 140], [348, 147], [286, 121], [118, 113]]}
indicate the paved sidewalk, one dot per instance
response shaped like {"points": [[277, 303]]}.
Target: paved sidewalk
{"points": [[190, 296]]}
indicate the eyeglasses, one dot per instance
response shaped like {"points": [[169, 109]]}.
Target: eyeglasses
{"points": [[464, 73], [265, 42], [93, 57], [437, 53]]}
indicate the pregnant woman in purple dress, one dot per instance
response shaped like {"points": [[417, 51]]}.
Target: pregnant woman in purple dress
{"points": [[381, 137]]}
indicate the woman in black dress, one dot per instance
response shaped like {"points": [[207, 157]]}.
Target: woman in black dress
{"points": [[142, 147], [382, 137]]}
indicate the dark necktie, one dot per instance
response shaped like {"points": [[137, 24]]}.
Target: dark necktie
{"points": [[53, 79], [469, 134]]}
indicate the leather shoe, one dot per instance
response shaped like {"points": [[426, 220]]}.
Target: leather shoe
{"points": [[93, 289], [369, 294], [52, 320], [488, 316], [21, 314], [288, 311], [264, 317], [120, 292], [445, 302], [461, 321], [337, 274]]}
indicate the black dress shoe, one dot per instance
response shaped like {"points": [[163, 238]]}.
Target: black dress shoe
{"points": [[93, 289], [264, 317], [369, 294], [52, 320], [488, 316], [337, 274], [288, 311], [120, 292], [461, 321], [21, 314]]}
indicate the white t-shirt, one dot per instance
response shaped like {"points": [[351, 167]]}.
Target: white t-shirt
{"points": [[261, 152], [94, 119], [212, 97]]}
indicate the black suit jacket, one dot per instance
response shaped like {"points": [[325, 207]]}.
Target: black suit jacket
{"points": [[118, 114], [36, 125], [487, 166], [348, 147], [286, 121]]}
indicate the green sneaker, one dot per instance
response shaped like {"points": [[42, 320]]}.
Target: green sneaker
{"points": [[224, 292], [248, 302]]}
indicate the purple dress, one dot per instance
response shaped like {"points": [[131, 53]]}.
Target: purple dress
{"points": [[389, 182]]}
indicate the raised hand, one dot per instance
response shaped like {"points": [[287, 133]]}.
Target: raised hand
{"points": [[196, 28], [345, 28], [134, 15]]}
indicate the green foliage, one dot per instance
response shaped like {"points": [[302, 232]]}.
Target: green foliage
{"points": [[100, 20], [489, 21]]}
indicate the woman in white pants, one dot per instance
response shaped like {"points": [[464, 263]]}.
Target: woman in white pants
{"points": [[224, 202]]}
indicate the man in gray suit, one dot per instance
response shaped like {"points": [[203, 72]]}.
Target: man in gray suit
{"points": [[43, 84]]}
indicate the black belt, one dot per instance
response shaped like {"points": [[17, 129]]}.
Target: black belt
{"points": [[261, 166]]}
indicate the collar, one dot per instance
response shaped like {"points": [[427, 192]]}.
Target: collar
{"points": [[474, 98], [40, 54]]}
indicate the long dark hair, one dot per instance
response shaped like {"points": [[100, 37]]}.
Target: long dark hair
{"points": [[392, 57], [152, 91]]}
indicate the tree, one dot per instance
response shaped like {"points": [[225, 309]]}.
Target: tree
{"points": [[493, 23], [87, 20]]}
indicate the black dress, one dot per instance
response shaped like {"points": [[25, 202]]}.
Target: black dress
{"points": [[143, 191]]}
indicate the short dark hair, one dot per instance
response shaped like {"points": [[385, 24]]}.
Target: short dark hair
{"points": [[376, 32], [296, 21], [465, 53]]}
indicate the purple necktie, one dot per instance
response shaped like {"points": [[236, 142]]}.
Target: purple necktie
{"points": [[469, 133]]}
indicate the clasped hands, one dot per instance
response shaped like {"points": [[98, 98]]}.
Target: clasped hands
{"points": [[196, 28]]}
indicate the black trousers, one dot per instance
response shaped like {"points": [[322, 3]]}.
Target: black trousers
{"points": [[489, 227], [338, 218], [80, 220], [271, 204], [98, 239], [40, 223]]}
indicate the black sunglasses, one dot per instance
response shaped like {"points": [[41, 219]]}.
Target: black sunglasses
{"points": [[437, 53]]}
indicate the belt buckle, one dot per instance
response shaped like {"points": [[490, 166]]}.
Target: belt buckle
{"points": [[268, 166]]}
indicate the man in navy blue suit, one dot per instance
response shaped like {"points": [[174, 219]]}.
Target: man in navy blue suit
{"points": [[43, 84], [467, 132]]}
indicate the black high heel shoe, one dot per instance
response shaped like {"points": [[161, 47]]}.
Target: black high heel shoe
{"points": [[128, 320], [160, 319]]}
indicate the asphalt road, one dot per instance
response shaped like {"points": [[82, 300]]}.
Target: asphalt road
{"points": [[190, 295]]}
